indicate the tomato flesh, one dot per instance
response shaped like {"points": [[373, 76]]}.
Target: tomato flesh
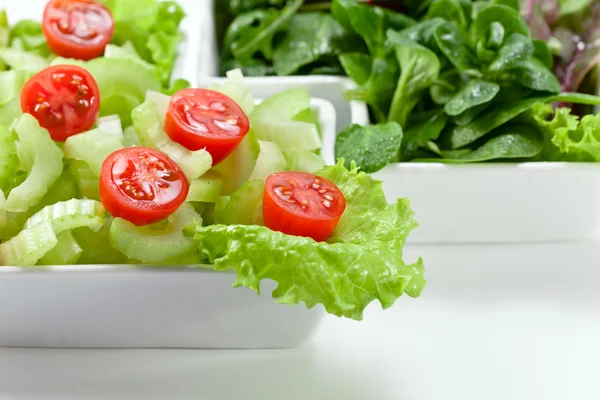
{"points": [[302, 204], [64, 99], [141, 185], [77, 28], [205, 119]]}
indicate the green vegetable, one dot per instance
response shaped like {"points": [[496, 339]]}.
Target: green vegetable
{"points": [[69, 215], [9, 162], [46, 164], [475, 93], [206, 189], [28, 246], [371, 147], [361, 262], [270, 159], [244, 206], [66, 252], [155, 244], [92, 147]]}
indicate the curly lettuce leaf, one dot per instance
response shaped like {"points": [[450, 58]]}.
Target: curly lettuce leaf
{"points": [[361, 262], [566, 137]]}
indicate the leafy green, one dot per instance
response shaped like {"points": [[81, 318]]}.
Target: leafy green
{"points": [[371, 147], [361, 262], [473, 94]]}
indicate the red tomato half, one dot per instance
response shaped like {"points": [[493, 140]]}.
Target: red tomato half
{"points": [[64, 99], [77, 28], [141, 185], [301, 204], [200, 118]]}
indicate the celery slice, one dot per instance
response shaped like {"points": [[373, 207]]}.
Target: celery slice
{"points": [[9, 163], [302, 160], [3, 216], [47, 166], [71, 214], [283, 105], [96, 246], [66, 252], [156, 246], [28, 246], [244, 207], [270, 160], [146, 122], [288, 135], [92, 147], [87, 182], [110, 124], [206, 189], [130, 137], [162, 103], [236, 89]]}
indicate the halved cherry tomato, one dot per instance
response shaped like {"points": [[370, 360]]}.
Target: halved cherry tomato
{"points": [[200, 118], [77, 28], [141, 185], [64, 99], [301, 204]]}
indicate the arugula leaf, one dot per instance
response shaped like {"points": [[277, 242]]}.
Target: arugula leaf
{"points": [[420, 68], [252, 33], [473, 94], [371, 147], [310, 37], [361, 262]]}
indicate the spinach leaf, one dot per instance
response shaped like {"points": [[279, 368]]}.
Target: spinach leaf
{"points": [[542, 52], [371, 23], [475, 93], [533, 74], [511, 141], [422, 130], [357, 66], [378, 90], [510, 19], [252, 33], [515, 52], [495, 36], [450, 10], [419, 67], [372, 147], [310, 37], [453, 43], [464, 135]]}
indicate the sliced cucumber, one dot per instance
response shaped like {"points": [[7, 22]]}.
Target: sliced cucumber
{"points": [[206, 189], [71, 214], [156, 246], [146, 122], [66, 252], [28, 246], [47, 166], [270, 160], [92, 147]]}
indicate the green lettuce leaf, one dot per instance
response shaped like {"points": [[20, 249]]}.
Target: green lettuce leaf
{"points": [[361, 262]]}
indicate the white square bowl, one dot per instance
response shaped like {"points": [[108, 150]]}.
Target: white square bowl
{"points": [[458, 204]]}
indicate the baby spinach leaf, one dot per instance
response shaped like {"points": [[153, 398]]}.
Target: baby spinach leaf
{"points": [[357, 66], [310, 37], [419, 67], [369, 22], [423, 129], [424, 33], [445, 87], [453, 43], [475, 93], [450, 10], [470, 114], [512, 141], [510, 19], [464, 135], [495, 36], [253, 32], [372, 147], [514, 53], [379, 88], [542, 52], [533, 74]]}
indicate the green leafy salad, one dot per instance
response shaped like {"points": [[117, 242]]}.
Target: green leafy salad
{"points": [[103, 161], [454, 81]]}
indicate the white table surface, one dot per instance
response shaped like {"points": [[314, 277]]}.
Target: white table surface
{"points": [[495, 323]]}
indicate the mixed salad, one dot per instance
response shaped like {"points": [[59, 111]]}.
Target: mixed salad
{"points": [[103, 161], [455, 81]]}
